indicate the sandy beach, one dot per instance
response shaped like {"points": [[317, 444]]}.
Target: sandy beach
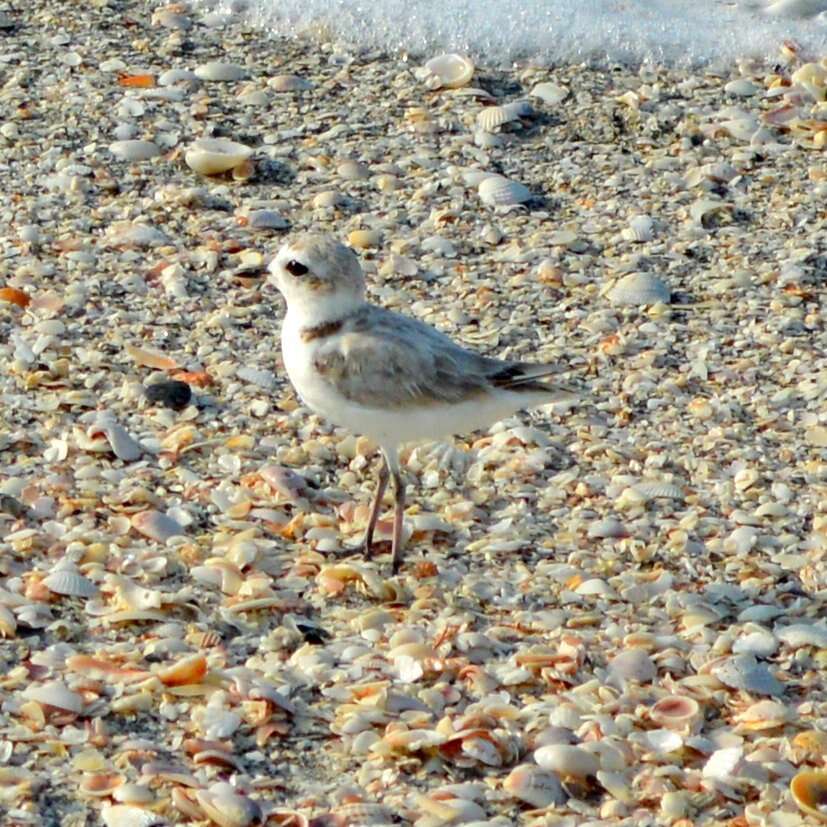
{"points": [[611, 611]]}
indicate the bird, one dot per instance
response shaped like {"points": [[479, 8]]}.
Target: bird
{"points": [[387, 376]]}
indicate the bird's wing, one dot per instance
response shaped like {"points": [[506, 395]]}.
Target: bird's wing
{"points": [[382, 359], [386, 360]]}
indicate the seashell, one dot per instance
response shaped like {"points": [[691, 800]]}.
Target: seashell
{"points": [[174, 76], [100, 784], [535, 786], [363, 239], [742, 88], [123, 445], [809, 791], [55, 694], [641, 228], [497, 191], [663, 741], [723, 763], [549, 93], [353, 171], [12, 295], [150, 358], [675, 712], [227, 807], [762, 644], [448, 71], [134, 150], [189, 670], [658, 490], [133, 794], [637, 289], [212, 156], [157, 526], [124, 815], [493, 117], [813, 78], [745, 673], [265, 220], [129, 234], [799, 635], [610, 527], [221, 72], [763, 715], [70, 583], [631, 665], [289, 83], [567, 760]]}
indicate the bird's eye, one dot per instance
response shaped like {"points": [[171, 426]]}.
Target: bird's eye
{"points": [[296, 268]]}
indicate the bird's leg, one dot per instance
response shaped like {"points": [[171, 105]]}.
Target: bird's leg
{"points": [[398, 517], [381, 485]]}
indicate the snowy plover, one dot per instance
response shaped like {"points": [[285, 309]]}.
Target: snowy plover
{"points": [[387, 376]]}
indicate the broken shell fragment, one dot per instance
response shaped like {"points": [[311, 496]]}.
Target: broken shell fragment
{"points": [[156, 526], [212, 156], [55, 694], [227, 807]]}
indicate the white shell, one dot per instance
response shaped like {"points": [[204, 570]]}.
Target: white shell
{"points": [[134, 150], [174, 76], [156, 526], [449, 71], [70, 583], [227, 807], [124, 815], [632, 665], [803, 634], [567, 760], [212, 156], [658, 490], [497, 191], [493, 117], [742, 88], [55, 694], [535, 786], [550, 93], [289, 83], [638, 289], [745, 672], [703, 210], [218, 71], [641, 228]]}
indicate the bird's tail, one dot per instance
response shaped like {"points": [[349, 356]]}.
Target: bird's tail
{"points": [[522, 377]]}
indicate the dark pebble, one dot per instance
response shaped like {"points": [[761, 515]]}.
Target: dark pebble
{"points": [[171, 394]]}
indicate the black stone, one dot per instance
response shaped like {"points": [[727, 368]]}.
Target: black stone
{"points": [[171, 394]]}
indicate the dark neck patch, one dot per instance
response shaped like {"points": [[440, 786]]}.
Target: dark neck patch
{"points": [[308, 334]]}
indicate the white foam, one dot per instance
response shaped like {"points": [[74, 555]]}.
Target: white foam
{"points": [[683, 32]]}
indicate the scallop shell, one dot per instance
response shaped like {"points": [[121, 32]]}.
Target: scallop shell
{"points": [[134, 150], [641, 228], [549, 93], [212, 156], [638, 289], [70, 583], [497, 191], [809, 791], [535, 786], [449, 71], [658, 490], [493, 117]]}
